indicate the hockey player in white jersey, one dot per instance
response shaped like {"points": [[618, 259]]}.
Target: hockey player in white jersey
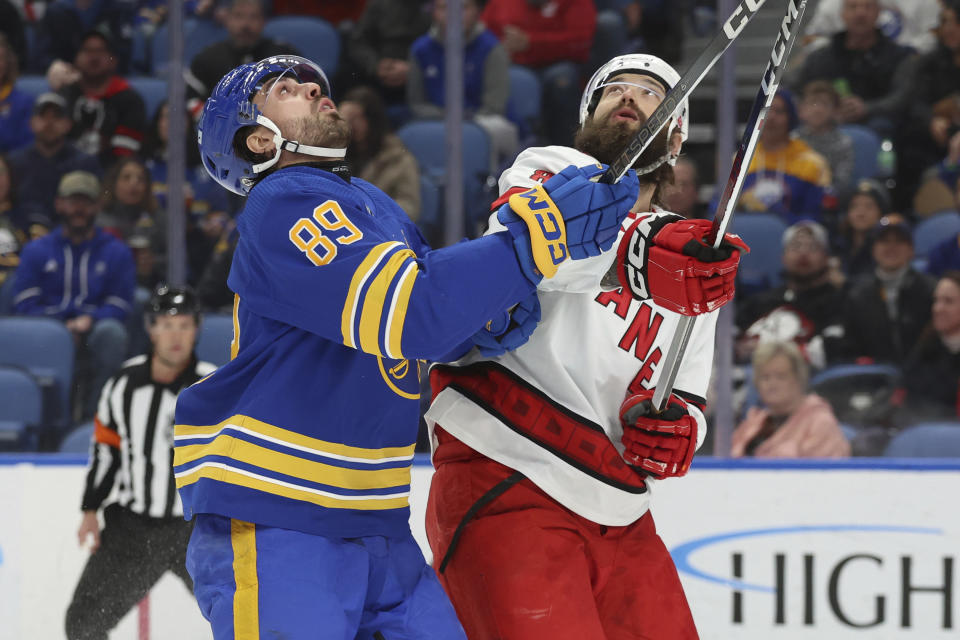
{"points": [[547, 455]]}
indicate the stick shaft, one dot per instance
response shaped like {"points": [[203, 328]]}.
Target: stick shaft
{"points": [[789, 29]]}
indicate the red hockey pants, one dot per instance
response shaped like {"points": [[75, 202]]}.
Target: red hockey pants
{"points": [[526, 568]]}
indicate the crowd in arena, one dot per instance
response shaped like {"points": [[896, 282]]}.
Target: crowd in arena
{"points": [[850, 202]]}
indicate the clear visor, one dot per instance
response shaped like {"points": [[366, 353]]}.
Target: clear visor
{"points": [[640, 89], [289, 80]]}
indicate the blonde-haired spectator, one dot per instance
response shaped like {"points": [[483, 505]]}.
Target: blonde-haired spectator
{"points": [[793, 423]]}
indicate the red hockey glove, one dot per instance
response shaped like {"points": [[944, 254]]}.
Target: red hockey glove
{"points": [[665, 258], [659, 444]]}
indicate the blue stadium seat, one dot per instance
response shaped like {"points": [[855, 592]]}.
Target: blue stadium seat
{"points": [[6, 296], [198, 35], [931, 231], [33, 85], [866, 146], [21, 409], [314, 38], [44, 347], [759, 269], [152, 90], [429, 203], [524, 100], [78, 440], [847, 371], [425, 140], [926, 440], [216, 334]]}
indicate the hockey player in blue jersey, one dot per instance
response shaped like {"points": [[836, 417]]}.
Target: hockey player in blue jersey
{"points": [[294, 458]]}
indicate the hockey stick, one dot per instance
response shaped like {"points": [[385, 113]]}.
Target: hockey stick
{"points": [[789, 28], [684, 87]]}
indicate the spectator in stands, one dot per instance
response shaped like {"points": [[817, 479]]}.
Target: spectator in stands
{"points": [[152, 13], [908, 22], [869, 202], [11, 27], [378, 51], [869, 70], [15, 105], [653, 26], [818, 113], [932, 371], [552, 37], [38, 168], [934, 113], [377, 155], [12, 235], [938, 191], [212, 287], [245, 43], [109, 116], [145, 534], [83, 276], [793, 423], [806, 308], [946, 255], [129, 212], [886, 310], [486, 79], [683, 196], [786, 176], [61, 32], [336, 12], [207, 204]]}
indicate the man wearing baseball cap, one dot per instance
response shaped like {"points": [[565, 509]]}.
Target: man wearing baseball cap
{"points": [[38, 168], [83, 276], [886, 310]]}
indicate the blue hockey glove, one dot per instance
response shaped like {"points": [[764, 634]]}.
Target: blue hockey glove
{"points": [[568, 215], [510, 330]]}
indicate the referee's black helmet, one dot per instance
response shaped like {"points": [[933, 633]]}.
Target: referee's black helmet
{"points": [[170, 301]]}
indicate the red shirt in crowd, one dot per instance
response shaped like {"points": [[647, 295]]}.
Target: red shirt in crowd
{"points": [[558, 29]]}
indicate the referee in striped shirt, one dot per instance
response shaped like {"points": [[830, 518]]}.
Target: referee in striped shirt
{"points": [[145, 534]]}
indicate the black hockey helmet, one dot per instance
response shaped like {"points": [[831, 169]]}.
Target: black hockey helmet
{"points": [[170, 301]]}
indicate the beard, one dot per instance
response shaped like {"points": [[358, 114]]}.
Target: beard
{"points": [[324, 129], [605, 140]]}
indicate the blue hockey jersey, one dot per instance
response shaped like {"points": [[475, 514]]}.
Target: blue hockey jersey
{"points": [[312, 424]]}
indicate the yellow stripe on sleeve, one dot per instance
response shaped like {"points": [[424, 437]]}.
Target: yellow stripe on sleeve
{"points": [[360, 276], [401, 299], [373, 302], [246, 598]]}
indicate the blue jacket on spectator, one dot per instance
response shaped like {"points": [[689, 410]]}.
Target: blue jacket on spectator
{"points": [[429, 52], [15, 111], [63, 280], [35, 176]]}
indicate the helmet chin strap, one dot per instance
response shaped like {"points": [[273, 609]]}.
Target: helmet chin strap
{"points": [[282, 144], [667, 157]]}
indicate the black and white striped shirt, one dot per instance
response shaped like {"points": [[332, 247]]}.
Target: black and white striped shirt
{"points": [[133, 440]]}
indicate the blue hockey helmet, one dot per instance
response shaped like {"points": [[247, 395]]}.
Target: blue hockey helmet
{"points": [[230, 108]]}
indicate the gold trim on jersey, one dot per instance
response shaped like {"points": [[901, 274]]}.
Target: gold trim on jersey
{"points": [[242, 478], [360, 277], [246, 598], [374, 303], [295, 440], [242, 451], [235, 343]]}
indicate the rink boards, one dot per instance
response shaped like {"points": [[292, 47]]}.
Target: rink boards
{"points": [[857, 549]]}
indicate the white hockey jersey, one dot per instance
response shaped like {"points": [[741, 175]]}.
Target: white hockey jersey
{"points": [[574, 372]]}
